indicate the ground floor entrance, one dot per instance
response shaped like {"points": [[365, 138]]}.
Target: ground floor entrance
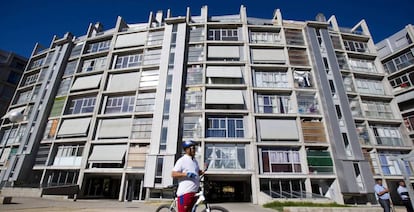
{"points": [[102, 187], [228, 189], [135, 187]]}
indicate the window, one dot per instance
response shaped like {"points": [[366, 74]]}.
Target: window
{"points": [[137, 156], [348, 148], [356, 46], [283, 188], [271, 79], [70, 68], [57, 107], [64, 86], [81, 105], [30, 79], [226, 156], [145, 102], [404, 81], [319, 161], [307, 103], [358, 176], [294, 37], [51, 129], [76, 50], [224, 75], [223, 34], [98, 47], [195, 53], [152, 57], [114, 128], [225, 127], [141, 128], [68, 155], [332, 87], [13, 136], [96, 64], [159, 168], [387, 135], [194, 75], [196, 34], [278, 160], [379, 110], [155, 38], [128, 61], [342, 61], [192, 126], [120, 104], [298, 57], [390, 167], [193, 99], [24, 97], [149, 78], [273, 104], [265, 37], [362, 65], [42, 154], [61, 177], [302, 79], [37, 63], [370, 86], [348, 85]]}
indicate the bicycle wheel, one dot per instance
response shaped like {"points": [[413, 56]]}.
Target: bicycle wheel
{"points": [[165, 208], [216, 209]]}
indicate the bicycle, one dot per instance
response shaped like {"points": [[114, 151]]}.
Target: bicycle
{"points": [[201, 199]]}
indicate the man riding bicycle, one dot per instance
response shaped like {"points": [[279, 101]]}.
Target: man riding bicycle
{"points": [[187, 171]]}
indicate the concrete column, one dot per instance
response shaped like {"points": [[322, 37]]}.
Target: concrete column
{"points": [[121, 190]]}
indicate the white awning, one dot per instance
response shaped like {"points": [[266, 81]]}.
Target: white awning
{"points": [[74, 127], [107, 154], [268, 55], [15, 110], [133, 39], [123, 82], [276, 129], [115, 128], [88, 82], [224, 71], [218, 96], [223, 52]]}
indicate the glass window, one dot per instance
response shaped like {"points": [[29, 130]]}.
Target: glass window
{"points": [[155, 38], [81, 105], [128, 61], [294, 37], [76, 50], [30, 79], [362, 65], [149, 78], [265, 37], [141, 128], [196, 34], [307, 104], [37, 63], [223, 34], [302, 79], [226, 156], [375, 109], [24, 97], [96, 64], [319, 162], [194, 75], [271, 79], [387, 135], [64, 86], [273, 104], [98, 47], [152, 57], [278, 160], [193, 99], [356, 46], [120, 104], [192, 126], [225, 127], [145, 102], [195, 53], [70, 68], [369, 86]]}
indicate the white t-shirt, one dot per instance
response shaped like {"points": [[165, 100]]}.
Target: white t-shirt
{"points": [[403, 192], [187, 185]]}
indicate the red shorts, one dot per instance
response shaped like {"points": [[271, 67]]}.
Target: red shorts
{"points": [[185, 202]]}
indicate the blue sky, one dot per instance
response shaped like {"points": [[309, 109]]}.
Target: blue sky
{"points": [[25, 22]]}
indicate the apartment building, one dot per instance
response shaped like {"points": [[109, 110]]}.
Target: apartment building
{"points": [[397, 56], [11, 70], [279, 108]]}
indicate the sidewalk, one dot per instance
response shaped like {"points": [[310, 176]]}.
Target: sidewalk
{"points": [[61, 205]]}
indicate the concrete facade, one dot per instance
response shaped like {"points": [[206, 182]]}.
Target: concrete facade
{"points": [[280, 109]]}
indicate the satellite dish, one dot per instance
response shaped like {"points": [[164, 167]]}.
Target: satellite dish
{"points": [[16, 116]]}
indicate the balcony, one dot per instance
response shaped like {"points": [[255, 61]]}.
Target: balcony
{"points": [[313, 132], [409, 123]]}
